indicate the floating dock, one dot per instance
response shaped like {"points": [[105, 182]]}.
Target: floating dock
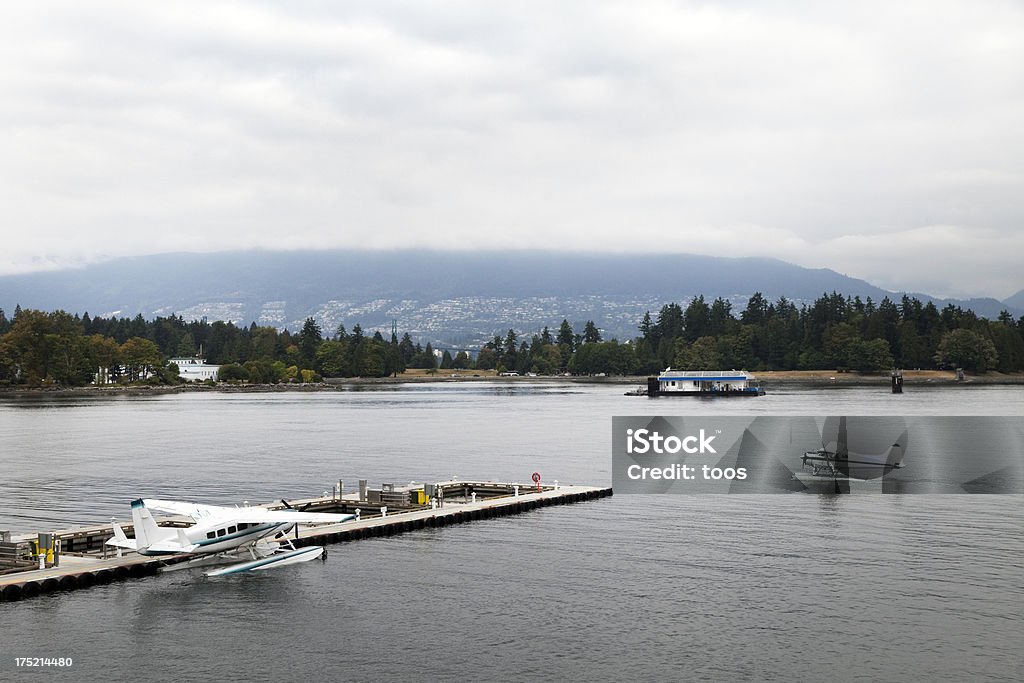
{"points": [[84, 561]]}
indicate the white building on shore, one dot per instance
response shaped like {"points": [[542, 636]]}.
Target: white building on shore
{"points": [[195, 368]]}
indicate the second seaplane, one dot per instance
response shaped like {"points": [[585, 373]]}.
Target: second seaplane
{"points": [[835, 466], [251, 538]]}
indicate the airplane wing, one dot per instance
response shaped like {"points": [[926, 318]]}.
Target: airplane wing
{"points": [[260, 515], [193, 510], [252, 515]]}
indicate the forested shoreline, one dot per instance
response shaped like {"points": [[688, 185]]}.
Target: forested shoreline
{"points": [[39, 349]]}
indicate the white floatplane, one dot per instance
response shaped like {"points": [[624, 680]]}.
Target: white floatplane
{"points": [[221, 535]]}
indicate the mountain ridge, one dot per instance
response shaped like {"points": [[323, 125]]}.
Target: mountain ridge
{"points": [[473, 293], [1015, 300]]}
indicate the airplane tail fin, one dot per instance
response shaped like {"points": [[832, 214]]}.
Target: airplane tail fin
{"points": [[146, 530]]}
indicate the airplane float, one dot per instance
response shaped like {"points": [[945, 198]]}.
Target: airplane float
{"points": [[222, 534]]}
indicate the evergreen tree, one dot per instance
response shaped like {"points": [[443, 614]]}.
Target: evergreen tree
{"points": [[429, 359], [407, 349], [565, 335], [523, 361], [645, 326], [669, 325], [186, 346], [720, 320], [508, 357], [357, 351], [309, 339], [756, 310]]}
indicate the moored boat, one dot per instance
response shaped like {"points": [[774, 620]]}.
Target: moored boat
{"points": [[713, 383]]}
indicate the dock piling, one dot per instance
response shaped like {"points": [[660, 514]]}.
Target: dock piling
{"points": [[897, 381]]}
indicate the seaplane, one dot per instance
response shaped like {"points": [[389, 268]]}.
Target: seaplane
{"points": [[834, 470], [222, 535]]}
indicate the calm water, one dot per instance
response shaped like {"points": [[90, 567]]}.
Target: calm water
{"points": [[798, 587]]}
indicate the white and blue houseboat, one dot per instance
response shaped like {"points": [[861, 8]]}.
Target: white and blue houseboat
{"points": [[724, 383]]}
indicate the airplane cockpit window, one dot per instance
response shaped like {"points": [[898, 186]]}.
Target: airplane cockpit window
{"points": [[232, 529]]}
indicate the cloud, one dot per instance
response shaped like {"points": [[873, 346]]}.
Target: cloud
{"points": [[946, 260], [828, 134]]}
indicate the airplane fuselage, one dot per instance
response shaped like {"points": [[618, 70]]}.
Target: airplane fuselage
{"points": [[223, 536]]}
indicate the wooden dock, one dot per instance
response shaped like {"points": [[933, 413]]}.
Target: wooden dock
{"points": [[85, 561]]}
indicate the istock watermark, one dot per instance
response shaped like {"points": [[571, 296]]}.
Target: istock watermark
{"points": [[644, 440], [818, 454]]}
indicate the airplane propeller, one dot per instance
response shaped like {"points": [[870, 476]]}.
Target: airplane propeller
{"points": [[291, 507]]}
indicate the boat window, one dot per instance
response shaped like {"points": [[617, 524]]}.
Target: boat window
{"points": [[211, 534], [232, 529]]}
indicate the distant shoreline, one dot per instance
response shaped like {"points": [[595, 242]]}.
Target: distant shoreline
{"points": [[804, 378]]}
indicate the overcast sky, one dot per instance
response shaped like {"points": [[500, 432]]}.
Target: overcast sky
{"points": [[882, 140]]}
